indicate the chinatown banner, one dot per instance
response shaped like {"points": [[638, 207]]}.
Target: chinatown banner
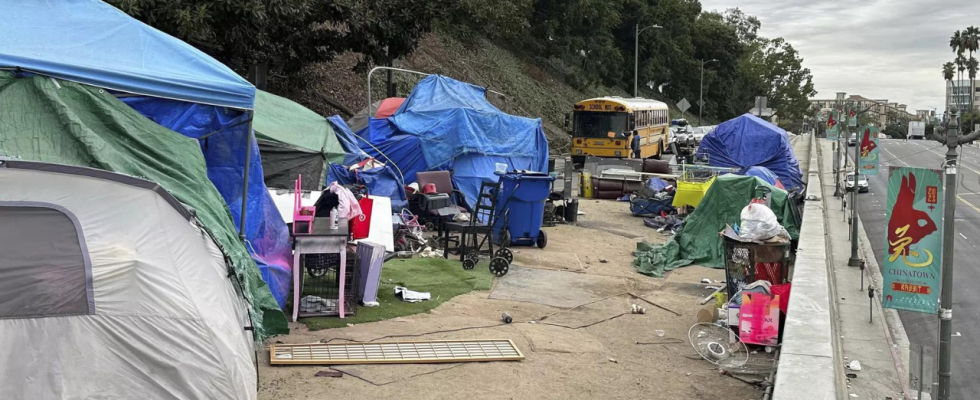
{"points": [[869, 150], [914, 240], [833, 126], [852, 119]]}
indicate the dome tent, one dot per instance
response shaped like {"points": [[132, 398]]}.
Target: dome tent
{"points": [[111, 288]]}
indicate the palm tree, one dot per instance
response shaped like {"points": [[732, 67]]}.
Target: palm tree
{"points": [[970, 38], [956, 42], [971, 68], [949, 71], [960, 66]]}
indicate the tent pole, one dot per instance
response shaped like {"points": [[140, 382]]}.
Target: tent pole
{"points": [[248, 167]]}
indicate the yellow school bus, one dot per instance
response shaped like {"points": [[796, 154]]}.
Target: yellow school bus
{"points": [[604, 127]]}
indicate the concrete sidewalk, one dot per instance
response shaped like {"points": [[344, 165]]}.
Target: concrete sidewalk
{"points": [[879, 348]]}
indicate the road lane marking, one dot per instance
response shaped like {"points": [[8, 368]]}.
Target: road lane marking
{"points": [[962, 235], [895, 158], [975, 208]]}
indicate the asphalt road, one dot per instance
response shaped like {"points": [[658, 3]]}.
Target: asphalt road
{"points": [[923, 329]]}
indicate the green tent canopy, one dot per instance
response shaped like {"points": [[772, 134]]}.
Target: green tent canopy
{"points": [[293, 140], [698, 241], [62, 122]]}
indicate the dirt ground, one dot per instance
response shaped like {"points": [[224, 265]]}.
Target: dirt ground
{"points": [[571, 307]]}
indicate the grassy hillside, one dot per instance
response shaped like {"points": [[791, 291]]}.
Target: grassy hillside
{"points": [[531, 89]]}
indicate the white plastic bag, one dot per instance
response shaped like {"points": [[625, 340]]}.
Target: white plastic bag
{"points": [[758, 223]]}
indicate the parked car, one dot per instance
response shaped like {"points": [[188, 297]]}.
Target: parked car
{"points": [[699, 133], [862, 183], [853, 140]]}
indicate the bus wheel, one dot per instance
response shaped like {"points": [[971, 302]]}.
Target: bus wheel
{"points": [[660, 150]]}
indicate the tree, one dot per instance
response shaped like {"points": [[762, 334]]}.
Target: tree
{"points": [[970, 38], [949, 71], [384, 30], [285, 34], [790, 85]]}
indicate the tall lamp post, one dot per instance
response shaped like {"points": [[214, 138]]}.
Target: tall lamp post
{"points": [[701, 96], [636, 57]]}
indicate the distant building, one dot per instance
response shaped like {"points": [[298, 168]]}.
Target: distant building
{"points": [[879, 110], [958, 93]]}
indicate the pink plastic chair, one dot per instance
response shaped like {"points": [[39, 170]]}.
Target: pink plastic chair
{"points": [[302, 215]]}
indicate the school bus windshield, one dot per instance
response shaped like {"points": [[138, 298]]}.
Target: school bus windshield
{"points": [[593, 124]]}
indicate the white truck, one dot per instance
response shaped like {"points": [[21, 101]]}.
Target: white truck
{"points": [[917, 130]]}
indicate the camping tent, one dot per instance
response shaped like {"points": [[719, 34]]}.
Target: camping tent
{"points": [[111, 288], [749, 141], [293, 140], [445, 124], [698, 241], [63, 122], [173, 84]]}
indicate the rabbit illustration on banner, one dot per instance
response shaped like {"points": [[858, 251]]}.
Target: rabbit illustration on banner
{"points": [[908, 225], [867, 143]]}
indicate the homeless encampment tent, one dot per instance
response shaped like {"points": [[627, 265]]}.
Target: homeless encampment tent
{"points": [[293, 140], [698, 241], [747, 141], [381, 108], [445, 124], [111, 288], [165, 79]]}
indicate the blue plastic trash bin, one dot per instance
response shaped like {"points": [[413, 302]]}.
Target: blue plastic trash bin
{"points": [[521, 203]]}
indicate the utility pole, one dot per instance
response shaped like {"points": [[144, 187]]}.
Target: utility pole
{"points": [[701, 96], [854, 260], [636, 57], [946, 290]]}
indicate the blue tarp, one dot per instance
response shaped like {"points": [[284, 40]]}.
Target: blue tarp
{"points": [[749, 141], [762, 173], [91, 42], [446, 124], [383, 181], [224, 152]]}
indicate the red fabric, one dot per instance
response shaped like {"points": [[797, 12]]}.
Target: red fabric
{"points": [[783, 292], [430, 188], [360, 227], [388, 107]]}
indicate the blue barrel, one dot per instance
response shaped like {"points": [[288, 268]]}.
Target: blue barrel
{"points": [[521, 202]]}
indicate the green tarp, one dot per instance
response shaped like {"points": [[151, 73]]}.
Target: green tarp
{"points": [[293, 140], [698, 241], [68, 123]]}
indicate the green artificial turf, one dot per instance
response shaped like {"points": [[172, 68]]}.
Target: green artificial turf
{"points": [[444, 279]]}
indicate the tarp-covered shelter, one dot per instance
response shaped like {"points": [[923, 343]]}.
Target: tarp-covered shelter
{"points": [[172, 83], [747, 141], [698, 241], [445, 124], [111, 288], [381, 108], [293, 140]]}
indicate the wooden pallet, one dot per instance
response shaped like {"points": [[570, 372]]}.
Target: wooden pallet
{"points": [[435, 351]]}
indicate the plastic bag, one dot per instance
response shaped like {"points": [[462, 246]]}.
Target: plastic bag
{"points": [[758, 223]]}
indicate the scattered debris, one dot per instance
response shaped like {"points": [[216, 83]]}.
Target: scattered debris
{"points": [[603, 260], [852, 375], [613, 360], [411, 296], [411, 352], [635, 309], [654, 304], [688, 374], [706, 280], [507, 318], [659, 332], [531, 322], [854, 395], [330, 374], [855, 365]]}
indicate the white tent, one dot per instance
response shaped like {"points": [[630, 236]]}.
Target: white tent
{"points": [[110, 289]]}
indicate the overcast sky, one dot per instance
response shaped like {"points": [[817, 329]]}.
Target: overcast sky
{"points": [[880, 49]]}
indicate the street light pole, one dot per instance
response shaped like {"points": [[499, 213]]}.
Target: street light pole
{"points": [[701, 96], [946, 290], [636, 57]]}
